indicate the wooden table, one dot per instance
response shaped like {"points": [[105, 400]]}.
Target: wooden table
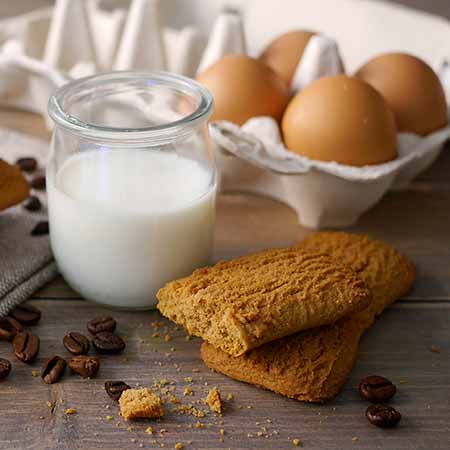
{"points": [[416, 221]]}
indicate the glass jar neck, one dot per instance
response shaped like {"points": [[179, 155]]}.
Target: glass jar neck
{"points": [[141, 90]]}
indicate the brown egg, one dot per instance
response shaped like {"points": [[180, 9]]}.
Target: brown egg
{"points": [[340, 119], [284, 53], [412, 90], [244, 87]]}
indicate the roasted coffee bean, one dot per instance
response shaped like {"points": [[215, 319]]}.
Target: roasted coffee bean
{"points": [[27, 164], [99, 324], [9, 327], [38, 182], [53, 369], [383, 416], [32, 203], [76, 343], [26, 346], [5, 368], [106, 342], [376, 389], [26, 314], [85, 366], [115, 388], [40, 229]]}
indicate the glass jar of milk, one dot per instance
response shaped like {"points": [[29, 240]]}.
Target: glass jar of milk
{"points": [[131, 184]]}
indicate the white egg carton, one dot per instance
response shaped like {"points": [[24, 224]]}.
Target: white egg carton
{"points": [[42, 50], [253, 159]]}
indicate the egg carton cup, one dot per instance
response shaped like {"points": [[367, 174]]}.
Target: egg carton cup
{"points": [[323, 194], [46, 48]]}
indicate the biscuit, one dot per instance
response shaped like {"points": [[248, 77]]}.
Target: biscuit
{"points": [[243, 303], [386, 272], [140, 403], [13, 185], [313, 365]]}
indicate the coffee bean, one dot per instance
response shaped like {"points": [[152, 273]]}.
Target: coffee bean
{"points": [[106, 342], [85, 366], [40, 229], [99, 324], [32, 203], [27, 164], [38, 182], [383, 416], [76, 343], [53, 369], [9, 327], [115, 388], [5, 368], [26, 346], [26, 314], [376, 389]]}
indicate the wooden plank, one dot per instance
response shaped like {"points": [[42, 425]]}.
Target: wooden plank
{"points": [[437, 174], [398, 347]]}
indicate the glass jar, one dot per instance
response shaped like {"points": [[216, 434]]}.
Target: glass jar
{"points": [[131, 184]]}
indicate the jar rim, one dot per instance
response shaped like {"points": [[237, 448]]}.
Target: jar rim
{"points": [[159, 133]]}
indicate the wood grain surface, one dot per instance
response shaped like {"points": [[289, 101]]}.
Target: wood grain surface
{"points": [[398, 347]]}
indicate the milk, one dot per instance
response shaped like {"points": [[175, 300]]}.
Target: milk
{"points": [[124, 222]]}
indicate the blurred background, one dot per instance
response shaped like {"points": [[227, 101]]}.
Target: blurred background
{"points": [[208, 8]]}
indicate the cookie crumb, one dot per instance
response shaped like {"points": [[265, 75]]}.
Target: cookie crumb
{"points": [[35, 373], [70, 411], [188, 391], [109, 417], [355, 439], [173, 399], [214, 401], [140, 403], [179, 446], [296, 442], [149, 430], [230, 396]]}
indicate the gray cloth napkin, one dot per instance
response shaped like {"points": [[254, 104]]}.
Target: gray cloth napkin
{"points": [[26, 262]]}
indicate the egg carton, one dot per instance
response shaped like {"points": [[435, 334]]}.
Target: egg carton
{"points": [[252, 158], [39, 52]]}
